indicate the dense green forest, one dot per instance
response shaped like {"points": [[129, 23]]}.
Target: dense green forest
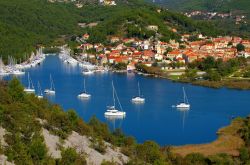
{"points": [[237, 7], [28, 23], [19, 114], [209, 5]]}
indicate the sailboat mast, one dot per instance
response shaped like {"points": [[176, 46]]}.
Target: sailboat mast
{"points": [[85, 87], [39, 88], [29, 80], [113, 93], [184, 95], [32, 85], [139, 91], [50, 81]]}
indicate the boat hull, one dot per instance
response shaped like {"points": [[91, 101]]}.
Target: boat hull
{"points": [[50, 92], [28, 90], [138, 100], [84, 95], [40, 96], [183, 105], [115, 114]]}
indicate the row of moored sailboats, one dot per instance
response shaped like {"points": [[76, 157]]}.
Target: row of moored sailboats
{"points": [[112, 111], [13, 68], [31, 89]]}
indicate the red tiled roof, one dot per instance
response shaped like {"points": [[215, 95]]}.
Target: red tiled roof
{"points": [[148, 53], [175, 52]]}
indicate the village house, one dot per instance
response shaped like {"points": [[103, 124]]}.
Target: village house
{"points": [[85, 36], [173, 54], [158, 57], [185, 37], [246, 43], [148, 55], [236, 40], [115, 53], [161, 47], [114, 39], [87, 46], [145, 45], [209, 47], [128, 40], [173, 44], [189, 55], [196, 44], [152, 27]]}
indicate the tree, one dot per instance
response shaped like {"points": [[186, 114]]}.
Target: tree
{"points": [[244, 154], [213, 75], [246, 74], [73, 118], [15, 89], [209, 63], [195, 159], [149, 152], [70, 157], [191, 74], [240, 47], [37, 149]]}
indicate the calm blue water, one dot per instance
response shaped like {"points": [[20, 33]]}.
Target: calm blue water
{"points": [[156, 119]]}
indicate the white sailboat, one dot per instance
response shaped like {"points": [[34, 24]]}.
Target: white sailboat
{"points": [[87, 71], [30, 88], [112, 111], [51, 90], [84, 95], [17, 72], [138, 99], [40, 93], [184, 104]]}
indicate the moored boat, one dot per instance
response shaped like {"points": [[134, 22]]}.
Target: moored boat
{"points": [[111, 110]]}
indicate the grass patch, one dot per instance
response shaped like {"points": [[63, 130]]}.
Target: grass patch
{"points": [[228, 142]]}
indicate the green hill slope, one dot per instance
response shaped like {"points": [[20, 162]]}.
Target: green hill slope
{"points": [[211, 5], [28, 23]]}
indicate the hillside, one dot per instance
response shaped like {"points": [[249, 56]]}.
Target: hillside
{"points": [[28, 23], [237, 9], [210, 5]]}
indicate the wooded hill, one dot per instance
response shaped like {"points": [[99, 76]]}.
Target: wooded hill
{"points": [[28, 23]]}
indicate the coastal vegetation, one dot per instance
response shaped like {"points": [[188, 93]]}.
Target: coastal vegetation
{"points": [[208, 72], [24, 116]]}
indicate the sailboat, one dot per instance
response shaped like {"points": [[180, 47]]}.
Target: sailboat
{"points": [[51, 90], [112, 111], [184, 104], [87, 72], [138, 99], [30, 88], [84, 95], [40, 93]]}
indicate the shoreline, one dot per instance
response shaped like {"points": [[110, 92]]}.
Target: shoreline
{"points": [[235, 84]]}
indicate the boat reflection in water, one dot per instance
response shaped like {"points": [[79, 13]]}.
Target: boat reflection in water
{"points": [[113, 120], [184, 113]]}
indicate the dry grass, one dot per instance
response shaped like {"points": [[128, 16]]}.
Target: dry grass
{"points": [[228, 142]]}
